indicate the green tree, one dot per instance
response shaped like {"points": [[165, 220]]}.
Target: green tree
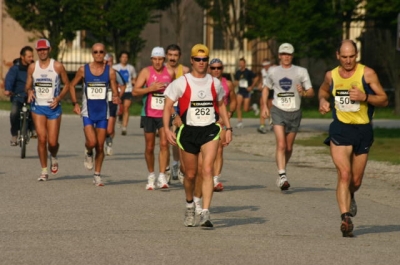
{"points": [[54, 20], [230, 17], [381, 19], [121, 23], [117, 23], [314, 27]]}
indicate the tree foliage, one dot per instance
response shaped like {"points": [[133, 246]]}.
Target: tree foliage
{"points": [[122, 22], [314, 27], [54, 20], [117, 23], [230, 17]]}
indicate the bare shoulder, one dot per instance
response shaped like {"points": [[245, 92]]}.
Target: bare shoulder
{"points": [[369, 74], [185, 69], [59, 67]]}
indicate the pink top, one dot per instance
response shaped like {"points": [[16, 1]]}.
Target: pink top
{"points": [[154, 103], [224, 84]]}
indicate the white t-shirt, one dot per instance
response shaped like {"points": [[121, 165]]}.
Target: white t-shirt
{"points": [[128, 72], [284, 81]]}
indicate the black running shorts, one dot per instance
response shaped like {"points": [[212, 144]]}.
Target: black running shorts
{"points": [[191, 138], [360, 136]]}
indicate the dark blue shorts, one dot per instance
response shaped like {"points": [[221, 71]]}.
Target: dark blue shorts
{"points": [[112, 109], [360, 136], [244, 92]]}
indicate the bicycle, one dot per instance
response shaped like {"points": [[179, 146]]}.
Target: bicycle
{"points": [[25, 130]]}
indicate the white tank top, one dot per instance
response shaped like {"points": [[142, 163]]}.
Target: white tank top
{"points": [[46, 83]]}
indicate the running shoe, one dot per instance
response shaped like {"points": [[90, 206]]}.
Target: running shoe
{"points": [[34, 134], [239, 125], [175, 169], [43, 177], [109, 150], [14, 141], [97, 181], [181, 176], [262, 129], [88, 161], [123, 132], [353, 207], [197, 206], [255, 109], [54, 165], [205, 219], [150, 183], [347, 227], [189, 217], [162, 182], [168, 175], [218, 185], [282, 182]]}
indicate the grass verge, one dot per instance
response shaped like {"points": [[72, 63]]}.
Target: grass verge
{"points": [[385, 147]]}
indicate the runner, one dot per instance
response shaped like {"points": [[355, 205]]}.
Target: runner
{"points": [[151, 83], [264, 74], [109, 59], [128, 72], [245, 80], [173, 56], [97, 77], [356, 90], [288, 82], [201, 104], [45, 95]]}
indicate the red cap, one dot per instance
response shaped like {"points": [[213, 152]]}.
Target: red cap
{"points": [[42, 44]]}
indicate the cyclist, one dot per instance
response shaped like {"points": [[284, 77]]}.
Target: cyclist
{"points": [[15, 89]]}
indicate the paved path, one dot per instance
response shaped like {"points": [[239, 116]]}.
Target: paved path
{"points": [[69, 221]]}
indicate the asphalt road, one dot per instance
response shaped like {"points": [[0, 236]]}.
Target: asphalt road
{"points": [[67, 220]]}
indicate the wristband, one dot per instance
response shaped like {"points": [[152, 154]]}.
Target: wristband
{"points": [[228, 129], [74, 103]]}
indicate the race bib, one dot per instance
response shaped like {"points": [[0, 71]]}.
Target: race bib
{"points": [[286, 101], [96, 91], [44, 90], [343, 102], [243, 83], [202, 112], [157, 101]]}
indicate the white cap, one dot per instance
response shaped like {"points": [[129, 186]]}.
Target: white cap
{"points": [[157, 52], [286, 48]]}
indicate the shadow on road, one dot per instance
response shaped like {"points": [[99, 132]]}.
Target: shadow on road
{"points": [[373, 229]]}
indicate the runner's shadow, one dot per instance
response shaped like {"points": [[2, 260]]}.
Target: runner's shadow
{"points": [[236, 221], [72, 177], [373, 229], [247, 187], [124, 182], [228, 209], [305, 189]]}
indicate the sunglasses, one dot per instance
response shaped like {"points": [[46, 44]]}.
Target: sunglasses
{"points": [[197, 59], [216, 67], [96, 52]]}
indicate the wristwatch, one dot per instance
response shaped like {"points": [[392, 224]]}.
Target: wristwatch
{"points": [[173, 115], [74, 103]]}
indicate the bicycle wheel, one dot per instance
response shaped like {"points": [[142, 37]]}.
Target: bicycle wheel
{"points": [[24, 132]]}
